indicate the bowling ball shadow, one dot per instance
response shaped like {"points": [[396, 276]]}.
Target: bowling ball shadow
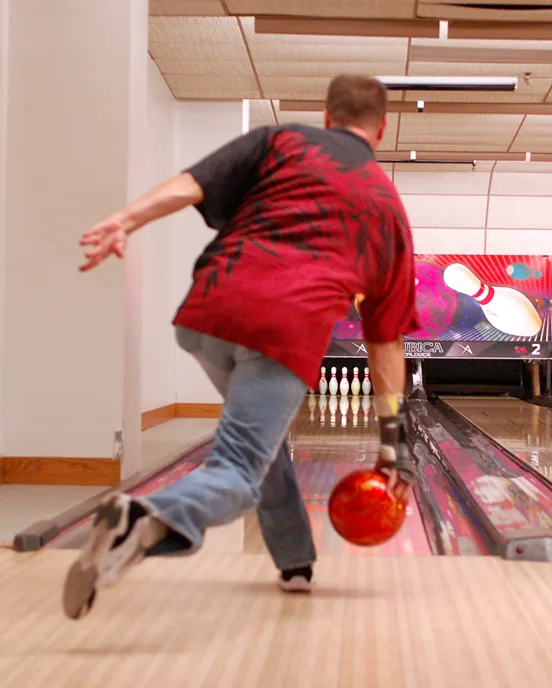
{"points": [[270, 587]]}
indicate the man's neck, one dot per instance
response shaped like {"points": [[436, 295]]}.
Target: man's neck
{"points": [[370, 136]]}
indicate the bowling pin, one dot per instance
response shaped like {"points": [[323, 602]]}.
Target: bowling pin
{"points": [[344, 384], [322, 405], [344, 409], [355, 407], [333, 383], [333, 409], [507, 309], [312, 405], [323, 384], [355, 384], [366, 384], [366, 408]]}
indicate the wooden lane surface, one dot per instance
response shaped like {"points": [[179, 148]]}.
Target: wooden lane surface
{"points": [[525, 429], [218, 621]]}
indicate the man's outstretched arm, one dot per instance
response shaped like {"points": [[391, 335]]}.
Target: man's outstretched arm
{"points": [[111, 235]]}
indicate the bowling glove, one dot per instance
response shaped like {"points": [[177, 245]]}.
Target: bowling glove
{"points": [[394, 453]]}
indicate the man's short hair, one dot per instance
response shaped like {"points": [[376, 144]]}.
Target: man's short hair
{"points": [[354, 99]]}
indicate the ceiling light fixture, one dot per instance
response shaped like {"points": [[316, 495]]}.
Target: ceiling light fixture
{"points": [[416, 161], [449, 83]]}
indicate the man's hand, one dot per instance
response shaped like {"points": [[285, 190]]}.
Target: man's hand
{"points": [[111, 235], [395, 486], [106, 238], [399, 469]]}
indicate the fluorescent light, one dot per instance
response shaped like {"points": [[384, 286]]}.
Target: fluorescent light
{"points": [[429, 161], [245, 116], [449, 83]]}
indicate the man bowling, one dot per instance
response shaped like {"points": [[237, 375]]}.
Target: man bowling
{"points": [[305, 219]]}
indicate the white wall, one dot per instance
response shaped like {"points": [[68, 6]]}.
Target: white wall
{"points": [[136, 185], [158, 303], [179, 134], [4, 32], [202, 127], [499, 209], [71, 82], [92, 124]]}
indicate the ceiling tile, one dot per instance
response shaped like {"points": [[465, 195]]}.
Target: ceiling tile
{"points": [[523, 167], [312, 119], [542, 71], [213, 88], [370, 45], [260, 114], [194, 30], [484, 55], [206, 68], [193, 53], [458, 132], [285, 68], [203, 57], [535, 135]]}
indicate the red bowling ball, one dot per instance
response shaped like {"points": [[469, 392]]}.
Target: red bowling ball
{"points": [[362, 511]]}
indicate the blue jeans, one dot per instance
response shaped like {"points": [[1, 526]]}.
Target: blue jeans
{"points": [[249, 465]]}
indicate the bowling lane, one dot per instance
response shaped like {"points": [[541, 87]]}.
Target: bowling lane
{"points": [[524, 429], [324, 449]]}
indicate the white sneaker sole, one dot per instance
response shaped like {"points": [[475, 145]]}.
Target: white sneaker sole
{"points": [[99, 566], [296, 584]]}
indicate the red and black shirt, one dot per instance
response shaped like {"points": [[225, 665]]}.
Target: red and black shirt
{"points": [[305, 219]]}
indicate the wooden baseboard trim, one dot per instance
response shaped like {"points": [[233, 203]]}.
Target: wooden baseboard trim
{"points": [[157, 416], [53, 470], [165, 413], [198, 410]]}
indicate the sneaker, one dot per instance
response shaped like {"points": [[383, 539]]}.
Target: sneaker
{"points": [[296, 580], [121, 533]]}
